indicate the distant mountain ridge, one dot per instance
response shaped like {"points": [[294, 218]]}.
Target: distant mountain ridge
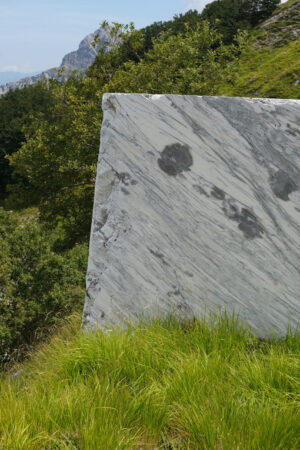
{"points": [[79, 59], [10, 76]]}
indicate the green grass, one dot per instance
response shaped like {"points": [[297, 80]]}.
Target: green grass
{"points": [[202, 385], [266, 72]]}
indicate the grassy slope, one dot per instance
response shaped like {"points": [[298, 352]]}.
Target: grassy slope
{"points": [[155, 386], [270, 65]]}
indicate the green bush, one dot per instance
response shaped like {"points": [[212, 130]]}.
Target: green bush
{"points": [[37, 285]]}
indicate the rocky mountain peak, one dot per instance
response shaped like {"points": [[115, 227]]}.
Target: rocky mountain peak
{"points": [[79, 59]]}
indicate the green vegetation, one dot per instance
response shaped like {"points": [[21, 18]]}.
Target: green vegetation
{"points": [[38, 287], [229, 16], [269, 65], [196, 62], [265, 73], [206, 384], [57, 162], [17, 109]]}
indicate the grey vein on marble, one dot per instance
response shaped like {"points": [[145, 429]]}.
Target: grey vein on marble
{"points": [[197, 207]]}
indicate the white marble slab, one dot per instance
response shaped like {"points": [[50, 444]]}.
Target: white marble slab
{"points": [[197, 207]]}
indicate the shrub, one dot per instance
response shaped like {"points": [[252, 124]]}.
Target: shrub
{"points": [[37, 285]]}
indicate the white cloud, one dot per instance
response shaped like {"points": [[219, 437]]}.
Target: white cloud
{"points": [[195, 4]]}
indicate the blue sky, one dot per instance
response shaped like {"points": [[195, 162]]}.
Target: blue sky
{"points": [[36, 34]]}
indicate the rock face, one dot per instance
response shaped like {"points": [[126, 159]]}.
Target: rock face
{"points": [[79, 60], [197, 207]]}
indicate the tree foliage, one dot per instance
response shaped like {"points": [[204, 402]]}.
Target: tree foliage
{"points": [[229, 16], [58, 159], [37, 285], [193, 62], [17, 109], [135, 43]]}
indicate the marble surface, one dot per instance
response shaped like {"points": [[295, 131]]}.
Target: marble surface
{"points": [[197, 207]]}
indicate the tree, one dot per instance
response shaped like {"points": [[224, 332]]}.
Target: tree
{"points": [[229, 16], [58, 160], [193, 62], [135, 43], [17, 109]]}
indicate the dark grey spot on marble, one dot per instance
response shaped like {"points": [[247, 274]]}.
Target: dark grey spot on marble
{"points": [[99, 224], [124, 177], [159, 255], [174, 292], [175, 158], [200, 190], [93, 287], [248, 222], [282, 185], [133, 182], [249, 225], [291, 130], [218, 193], [125, 191], [189, 274]]}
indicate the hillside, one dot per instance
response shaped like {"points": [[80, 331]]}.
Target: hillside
{"points": [[270, 64]]}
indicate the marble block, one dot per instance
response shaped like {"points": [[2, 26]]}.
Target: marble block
{"points": [[197, 208]]}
